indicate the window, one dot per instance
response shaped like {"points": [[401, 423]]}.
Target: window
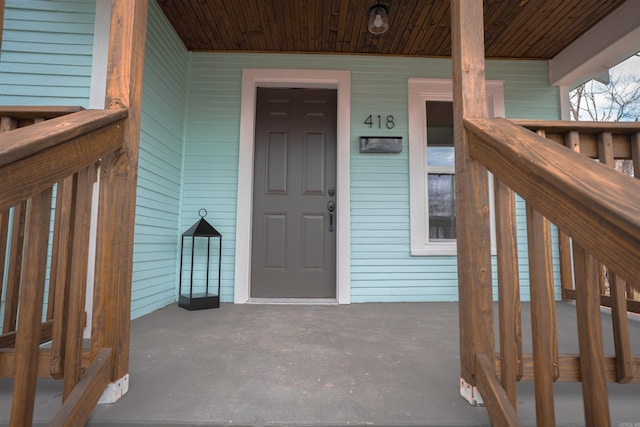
{"points": [[431, 163]]}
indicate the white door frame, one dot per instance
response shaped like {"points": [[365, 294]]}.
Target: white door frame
{"points": [[290, 78]]}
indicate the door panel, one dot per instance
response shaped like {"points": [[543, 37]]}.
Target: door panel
{"points": [[313, 230], [276, 164], [314, 164], [275, 238], [293, 249]]}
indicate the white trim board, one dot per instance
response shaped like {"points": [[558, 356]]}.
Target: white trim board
{"points": [[253, 78], [419, 91], [605, 45]]}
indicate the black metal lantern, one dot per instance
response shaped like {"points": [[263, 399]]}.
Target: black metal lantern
{"points": [[196, 241]]}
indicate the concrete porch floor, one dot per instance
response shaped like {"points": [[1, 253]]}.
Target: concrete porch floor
{"points": [[380, 364]]}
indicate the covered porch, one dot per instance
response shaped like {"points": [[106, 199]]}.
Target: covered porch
{"points": [[363, 364], [263, 373]]}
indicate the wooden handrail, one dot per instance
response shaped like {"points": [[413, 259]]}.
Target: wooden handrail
{"points": [[37, 156], [567, 188], [21, 143]]}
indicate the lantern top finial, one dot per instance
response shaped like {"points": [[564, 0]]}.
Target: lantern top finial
{"points": [[202, 228]]}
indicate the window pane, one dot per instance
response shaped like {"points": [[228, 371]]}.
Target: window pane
{"points": [[439, 133], [440, 156], [442, 206]]}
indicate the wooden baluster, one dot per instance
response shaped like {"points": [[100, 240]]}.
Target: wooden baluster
{"points": [[624, 357], [546, 226], [30, 314], [594, 386], [605, 155], [7, 124], [621, 337], [78, 279], [60, 267], [508, 290], [572, 141], [543, 316]]}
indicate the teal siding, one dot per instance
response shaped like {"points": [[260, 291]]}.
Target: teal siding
{"points": [[46, 52], [160, 167], [189, 144], [381, 266]]}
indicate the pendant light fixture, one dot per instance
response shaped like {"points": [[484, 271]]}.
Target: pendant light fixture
{"points": [[378, 19]]}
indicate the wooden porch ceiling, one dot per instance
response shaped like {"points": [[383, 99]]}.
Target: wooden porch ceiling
{"points": [[513, 28]]}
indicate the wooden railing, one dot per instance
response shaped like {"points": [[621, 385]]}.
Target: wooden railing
{"points": [[606, 143], [598, 210], [43, 150], [63, 152]]}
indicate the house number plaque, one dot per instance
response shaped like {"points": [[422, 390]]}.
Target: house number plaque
{"points": [[378, 121]]}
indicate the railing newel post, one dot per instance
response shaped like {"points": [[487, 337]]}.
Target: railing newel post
{"points": [[475, 293]]}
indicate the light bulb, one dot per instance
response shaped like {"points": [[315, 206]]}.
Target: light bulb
{"points": [[378, 20]]}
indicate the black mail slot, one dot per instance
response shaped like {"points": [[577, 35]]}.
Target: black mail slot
{"points": [[377, 144]]}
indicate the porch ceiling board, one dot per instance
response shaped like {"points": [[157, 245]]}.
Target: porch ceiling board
{"points": [[531, 29]]}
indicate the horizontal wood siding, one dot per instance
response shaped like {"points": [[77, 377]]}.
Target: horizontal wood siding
{"points": [[46, 52], [160, 167], [381, 266]]}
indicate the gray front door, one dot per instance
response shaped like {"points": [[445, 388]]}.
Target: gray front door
{"points": [[294, 189]]}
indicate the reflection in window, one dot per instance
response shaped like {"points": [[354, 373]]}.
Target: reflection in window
{"points": [[442, 206], [440, 171]]}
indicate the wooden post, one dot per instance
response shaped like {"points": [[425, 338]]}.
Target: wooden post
{"points": [[116, 212], [472, 195]]}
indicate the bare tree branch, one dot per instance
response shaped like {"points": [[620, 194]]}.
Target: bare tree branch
{"points": [[617, 101]]}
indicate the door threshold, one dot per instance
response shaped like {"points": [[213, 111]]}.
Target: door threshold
{"points": [[293, 301]]}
